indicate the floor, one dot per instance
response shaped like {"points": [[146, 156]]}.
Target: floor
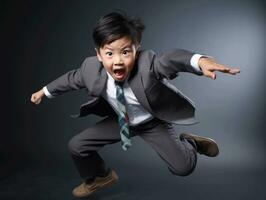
{"points": [[55, 183]]}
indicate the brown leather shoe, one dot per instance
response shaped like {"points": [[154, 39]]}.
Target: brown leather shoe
{"points": [[86, 189], [206, 146]]}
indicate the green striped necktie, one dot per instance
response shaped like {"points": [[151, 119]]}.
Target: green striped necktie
{"points": [[122, 116]]}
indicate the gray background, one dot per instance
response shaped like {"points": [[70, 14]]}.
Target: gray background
{"points": [[42, 40]]}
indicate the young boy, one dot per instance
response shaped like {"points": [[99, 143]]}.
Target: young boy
{"points": [[129, 87]]}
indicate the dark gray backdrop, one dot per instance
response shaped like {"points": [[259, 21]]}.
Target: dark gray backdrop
{"points": [[42, 40]]}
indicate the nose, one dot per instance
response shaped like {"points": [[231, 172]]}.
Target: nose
{"points": [[118, 60]]}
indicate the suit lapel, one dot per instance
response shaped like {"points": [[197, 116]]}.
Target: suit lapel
{"points": [[100, 83], [136, 84]]}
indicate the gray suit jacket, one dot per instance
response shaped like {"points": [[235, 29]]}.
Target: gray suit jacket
{"points": [[148, 81]]}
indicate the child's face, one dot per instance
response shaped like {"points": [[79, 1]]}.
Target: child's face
{"points": [[118, 57]]}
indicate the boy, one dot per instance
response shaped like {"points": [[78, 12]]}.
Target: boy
{"points": [[129, 87]]}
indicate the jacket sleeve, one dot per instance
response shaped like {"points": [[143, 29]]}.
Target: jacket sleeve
{"points": [[170, 63], [72, 80]]}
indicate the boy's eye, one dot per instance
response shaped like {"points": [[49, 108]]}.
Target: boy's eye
{"points": [[126, 52], [109, 53]]}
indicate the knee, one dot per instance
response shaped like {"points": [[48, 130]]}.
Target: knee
{"points": [[184, 170], [74, 146]]}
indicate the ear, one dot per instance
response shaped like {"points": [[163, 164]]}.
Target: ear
{"points": [[98, 54], [138, 47]]}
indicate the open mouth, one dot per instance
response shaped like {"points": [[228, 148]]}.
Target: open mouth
{"points": [[120, 73]]}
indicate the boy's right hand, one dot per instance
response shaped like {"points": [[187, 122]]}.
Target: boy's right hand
{"points": [[37, 97]]}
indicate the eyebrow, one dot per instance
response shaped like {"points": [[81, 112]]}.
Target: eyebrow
{"points": [[127, 46]]}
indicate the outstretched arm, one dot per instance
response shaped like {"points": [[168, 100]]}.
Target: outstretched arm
{"points": [[71, 80], [170, 63], [208, 66]]}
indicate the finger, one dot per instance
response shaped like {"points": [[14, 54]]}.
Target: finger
{"points": [[226, 69], [213, 76], [234, 71], [35, 100], [222, 68], [32, 99], [38, 101], [210, 74]]}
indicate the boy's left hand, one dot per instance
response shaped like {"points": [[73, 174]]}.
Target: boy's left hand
{"points": [[208, 66]]}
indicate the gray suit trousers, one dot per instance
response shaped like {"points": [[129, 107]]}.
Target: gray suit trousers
{"points": [[179, 156]]}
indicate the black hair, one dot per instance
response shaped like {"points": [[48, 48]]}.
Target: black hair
{"points": [[116, 25]]}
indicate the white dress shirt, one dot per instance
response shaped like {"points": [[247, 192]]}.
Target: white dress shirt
{"points": [[136, 113]]}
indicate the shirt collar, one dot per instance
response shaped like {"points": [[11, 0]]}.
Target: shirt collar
{"points": [[110, 78]]}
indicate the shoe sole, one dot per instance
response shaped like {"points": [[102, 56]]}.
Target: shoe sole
{"points": [[111, 181], [213, 148]]}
